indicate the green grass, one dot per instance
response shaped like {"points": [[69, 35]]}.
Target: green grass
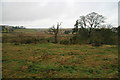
{"points": [[49, 60]]}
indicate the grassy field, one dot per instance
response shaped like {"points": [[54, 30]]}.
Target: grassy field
{"points": [[50, 60]]}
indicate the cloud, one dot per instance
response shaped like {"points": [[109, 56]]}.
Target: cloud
{"points": [[46, 13], [119, 12], [27, 11]]}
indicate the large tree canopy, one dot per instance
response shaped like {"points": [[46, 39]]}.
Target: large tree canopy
{"points": [[94, 20], [91, 21]]}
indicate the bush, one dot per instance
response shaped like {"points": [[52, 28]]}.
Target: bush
{"points": [[96, 43], [50, 39], [65, 42]]}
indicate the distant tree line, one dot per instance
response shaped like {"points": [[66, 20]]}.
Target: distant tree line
{"points": [[7, 29]]}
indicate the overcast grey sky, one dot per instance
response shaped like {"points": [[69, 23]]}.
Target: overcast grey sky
{"points": [[45, 13]]}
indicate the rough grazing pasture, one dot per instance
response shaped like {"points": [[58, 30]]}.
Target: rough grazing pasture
{"points": [[50, 60]]}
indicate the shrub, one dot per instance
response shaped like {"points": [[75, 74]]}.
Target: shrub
{"points": [[50, 39], [96, 43], [65, 42]]}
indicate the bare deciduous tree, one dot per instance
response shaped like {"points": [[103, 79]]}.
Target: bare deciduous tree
{"points": [[55, 31], [91, 21], [94, 20]]}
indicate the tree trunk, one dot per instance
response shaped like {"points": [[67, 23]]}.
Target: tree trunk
{"points": [[56, 38], [89, 34], [89, 37]]}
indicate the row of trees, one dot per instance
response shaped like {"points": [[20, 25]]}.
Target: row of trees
{"points": [[90, 29], [7, 29]]}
